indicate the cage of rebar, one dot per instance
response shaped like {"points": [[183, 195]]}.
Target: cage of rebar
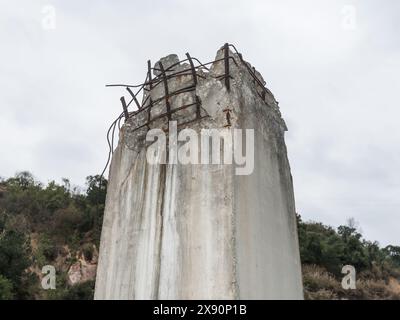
{"points": [[163, 75]]}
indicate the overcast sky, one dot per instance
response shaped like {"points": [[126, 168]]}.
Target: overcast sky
{"points": [[334, 66]]}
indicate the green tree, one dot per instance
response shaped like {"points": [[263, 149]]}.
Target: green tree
{"points": [[320, 245], [14, 258], [96, 190], [23, 180], [6, 289], [394, 253], [82, 291], [354, 251], [96, 196]]}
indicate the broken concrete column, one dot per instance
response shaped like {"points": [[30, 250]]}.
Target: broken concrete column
{"points": [[201, 231]]}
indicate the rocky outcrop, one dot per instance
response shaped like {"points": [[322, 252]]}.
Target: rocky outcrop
{"points": [[83, 269]]}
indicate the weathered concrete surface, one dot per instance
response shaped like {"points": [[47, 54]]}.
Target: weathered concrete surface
{"points": [[268, 263], [199, 231]]}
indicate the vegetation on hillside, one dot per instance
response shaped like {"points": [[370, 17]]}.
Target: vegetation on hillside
{"points": [[324, 251], [55, 224], [46, 224]]}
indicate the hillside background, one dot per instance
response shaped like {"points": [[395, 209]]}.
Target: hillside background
{"points": [[56, 224]]}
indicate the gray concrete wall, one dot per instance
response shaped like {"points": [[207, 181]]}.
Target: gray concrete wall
{"points": [[199, 231], [268, 261]]}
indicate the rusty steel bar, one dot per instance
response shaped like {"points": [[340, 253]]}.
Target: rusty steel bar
{"points": [[165, 90], [228, 117], [157, 80], [191, 121], [198, 109], [183, 90], [147, 102], [197, 99], [251, 73], [226, 60], [164, 115], [163, 78], [200, 64], [182, 71], [150, 88], [149, 73], [124, 85], [192, 68], [126, 114], [134, 98]]}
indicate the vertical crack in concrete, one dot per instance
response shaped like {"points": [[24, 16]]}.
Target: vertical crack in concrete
{"points": [[162, 187]]}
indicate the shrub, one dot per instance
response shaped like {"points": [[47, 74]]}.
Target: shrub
{"points": [[6, 289]]}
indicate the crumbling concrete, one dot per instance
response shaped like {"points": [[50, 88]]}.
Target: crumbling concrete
{"points": [[174, 231]]}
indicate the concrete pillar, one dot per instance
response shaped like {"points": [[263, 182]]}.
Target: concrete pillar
{"points": [[201, 231]]}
